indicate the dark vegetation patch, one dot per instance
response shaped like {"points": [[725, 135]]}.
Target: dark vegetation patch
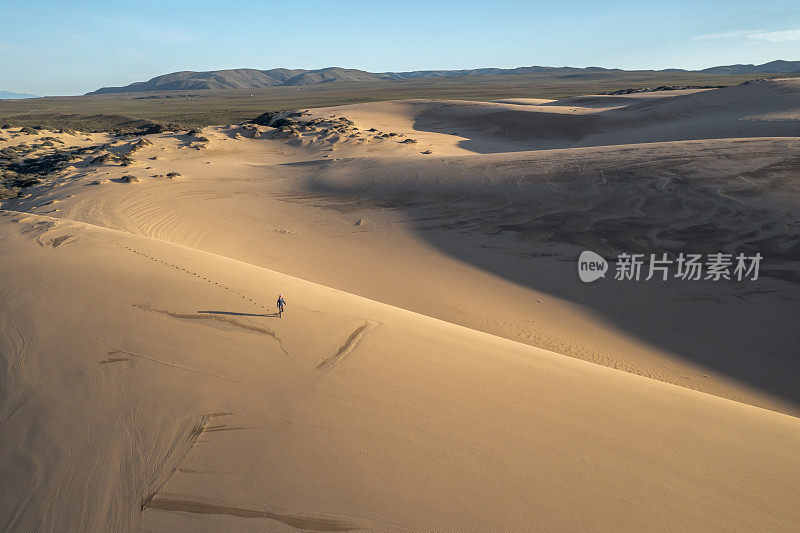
{"points": [[289, 125], [163, 96], [73, 123], [139, 144], [21, 168], [265, 119], [103, 159], [662, 88]]}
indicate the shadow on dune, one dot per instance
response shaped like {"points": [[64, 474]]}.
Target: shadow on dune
{"points": [[494, 129], [526, 218], [234, 313], [746, 331]]}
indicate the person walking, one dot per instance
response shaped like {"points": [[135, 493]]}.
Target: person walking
{"points": [[281, 303]]}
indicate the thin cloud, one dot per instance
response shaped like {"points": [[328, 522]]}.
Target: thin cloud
{"points": [[755, 35], [777, 36], [727, 35]]}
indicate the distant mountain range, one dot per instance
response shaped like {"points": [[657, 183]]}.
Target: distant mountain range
{"points": [[246, 78], [773, 67], [6, 95]]}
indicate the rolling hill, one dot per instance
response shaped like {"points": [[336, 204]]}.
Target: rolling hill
{"points": [[779, 66], [8, 95], [243, 78], [246, 78]]}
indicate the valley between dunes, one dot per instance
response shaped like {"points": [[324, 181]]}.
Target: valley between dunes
{"points": [[439, 366]]}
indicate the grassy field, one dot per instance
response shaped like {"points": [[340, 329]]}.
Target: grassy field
{"points": [[202, 108]]}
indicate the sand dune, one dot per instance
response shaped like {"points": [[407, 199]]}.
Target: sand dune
{"points": [[758, 109], [440, 367], [343, 389]]}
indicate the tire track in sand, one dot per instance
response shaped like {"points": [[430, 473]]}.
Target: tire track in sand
{"points": [[351, 342], [168, 472]]}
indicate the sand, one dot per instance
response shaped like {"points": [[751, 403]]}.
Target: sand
{"points": [[439, 366]]}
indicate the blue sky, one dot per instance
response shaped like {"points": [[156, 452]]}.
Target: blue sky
{"points": [[72, 47]]}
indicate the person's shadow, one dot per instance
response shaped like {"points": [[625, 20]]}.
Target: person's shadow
{"points": [[273, 315]]}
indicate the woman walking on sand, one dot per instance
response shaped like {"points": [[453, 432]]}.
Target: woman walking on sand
{"points": [[281, 303]]}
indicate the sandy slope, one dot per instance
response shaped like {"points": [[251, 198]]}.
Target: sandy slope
{"points": [[434, 372], [489, 241], [184, 395]]}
